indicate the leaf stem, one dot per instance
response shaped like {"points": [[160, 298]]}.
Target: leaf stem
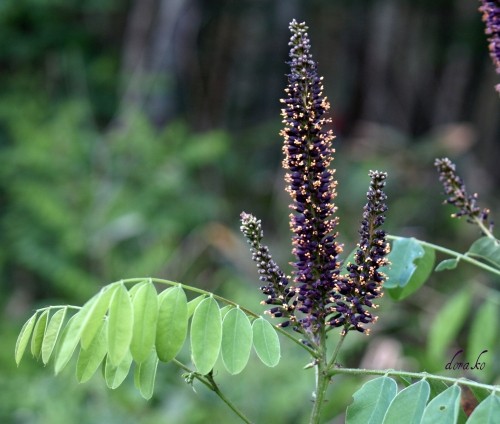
{"points": [[322, 380], [459, 256], [209, 381], [420, 375]]}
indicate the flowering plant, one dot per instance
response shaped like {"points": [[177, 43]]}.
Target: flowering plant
{"points": [[128, 324]]}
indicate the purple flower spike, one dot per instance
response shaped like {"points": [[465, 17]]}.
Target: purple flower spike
{"points": [[491, 17], [363, 282], [311, 185]]}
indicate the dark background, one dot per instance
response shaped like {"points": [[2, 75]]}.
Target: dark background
{"points": [[133, 133]]}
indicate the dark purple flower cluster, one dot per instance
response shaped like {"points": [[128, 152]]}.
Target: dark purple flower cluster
{"points": [[277, 290], [491, 16], [321, 298], [457, 194], [308, 154], [363, 282]]}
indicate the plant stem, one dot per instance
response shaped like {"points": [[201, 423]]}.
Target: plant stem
{"points": [[343, 334], [209, 381], [322, 380], [419, 375], [459, 256], [483, 228]]}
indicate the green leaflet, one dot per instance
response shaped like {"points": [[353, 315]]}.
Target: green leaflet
{"points": [[69, 340], [192, 304], [89, 359], [266, 342], [486, 249], [24, 337], [225, 310], [447, 324], [95, 315], [444, 408], [408, 406], [120, 325], [145, 374], [206, 335], [145, 306], [236, 340], [114, 375], [487, 412], [411, 266], [447, 264], [371, 401], [172, 324], [135, 288], [52, 333], [38, 334], [483, 335]]}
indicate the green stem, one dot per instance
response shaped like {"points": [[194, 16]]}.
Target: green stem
{"points": [[337, 349], [209, 381], [459, 256], [322, 380], [419, 375], [486, 231], [222, 299]]}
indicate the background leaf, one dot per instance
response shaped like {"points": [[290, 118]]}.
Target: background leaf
{"points": [[145, 306], [408, 406], [24, 338], [192, 304], [447, 323], [371, 401], [266, 342], [483, 335], [236, 340], [411, 266], [172, 324], [444, 408], [52, 333], [120, 325], [206, 335], [145, 375]]}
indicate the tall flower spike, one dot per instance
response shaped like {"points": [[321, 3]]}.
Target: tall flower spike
{"points": [[466, 203], [491, 17], [278, 293], [308, 153], [363, 282]]}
